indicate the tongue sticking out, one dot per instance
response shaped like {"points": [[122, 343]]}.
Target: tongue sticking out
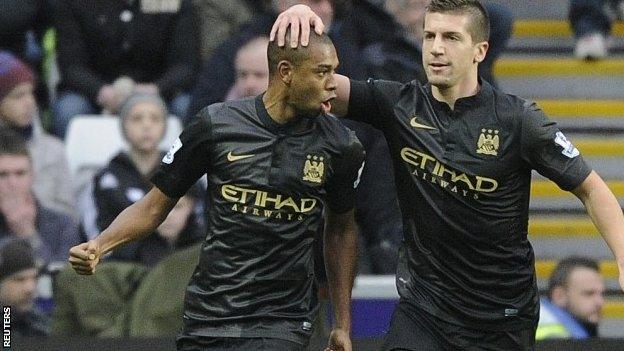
{"points": [[326, 106]]}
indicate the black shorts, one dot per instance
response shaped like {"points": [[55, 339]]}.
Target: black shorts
{"points": [[414, 329], [191, 343]]}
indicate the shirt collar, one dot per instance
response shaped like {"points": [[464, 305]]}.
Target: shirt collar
{"points": [[295, 126]]}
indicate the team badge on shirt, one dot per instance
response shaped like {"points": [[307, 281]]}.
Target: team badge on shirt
{"points": [[313, 169], [488, 142], [568, 149], [168, 159]]}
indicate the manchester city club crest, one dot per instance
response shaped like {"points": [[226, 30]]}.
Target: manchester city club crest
{"points": [[488, 142], [313, 169]]}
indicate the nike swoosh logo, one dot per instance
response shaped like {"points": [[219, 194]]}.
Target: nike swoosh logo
{"points": [[415, 124], [233, 158]]}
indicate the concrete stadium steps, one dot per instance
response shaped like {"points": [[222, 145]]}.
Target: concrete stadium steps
{"points": [[562, 227], [561, 77], [553, 35], [527, 28], [546, 197]]}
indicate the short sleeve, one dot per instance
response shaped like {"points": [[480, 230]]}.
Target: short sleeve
{"points": [[372, 101], [187, 160], [549, 152], [343, 184]]}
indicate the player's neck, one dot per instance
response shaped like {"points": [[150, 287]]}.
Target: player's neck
{"points": [[449, 95], [275, 103], [145, 162]]}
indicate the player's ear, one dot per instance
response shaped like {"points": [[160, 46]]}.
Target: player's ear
{"points": [[480, 51], [285, 71]]}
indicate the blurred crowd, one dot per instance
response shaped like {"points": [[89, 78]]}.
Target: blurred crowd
{"points": [[147, 62]]}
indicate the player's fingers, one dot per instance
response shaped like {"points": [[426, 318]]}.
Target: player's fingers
{"points": [[281, 32], [305, 31], [319, 27], [79, 262], [274, 28], [294, 32], [79, 251]]}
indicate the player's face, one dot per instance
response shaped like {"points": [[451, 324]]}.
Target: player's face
{"points": [[585, 294], [19, 107], [18, 290], [145, 126], [16, 177], [313, 85], [449, 55]]}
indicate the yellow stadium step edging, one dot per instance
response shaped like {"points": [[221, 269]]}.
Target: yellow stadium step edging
{"points": [[552, 28], [548, 189], [613, 309], [562, 227], [583, 108], [512, 67], [601, 147], [544, 268]]}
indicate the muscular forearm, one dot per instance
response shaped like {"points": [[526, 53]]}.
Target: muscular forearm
{"points": [[135, 222], [605, 212], [340, 261]]}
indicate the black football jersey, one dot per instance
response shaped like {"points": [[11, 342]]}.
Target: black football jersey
{"points": [[267, 188], [463, 178]]}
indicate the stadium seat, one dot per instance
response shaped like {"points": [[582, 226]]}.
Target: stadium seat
{"points": [[92, 140]]}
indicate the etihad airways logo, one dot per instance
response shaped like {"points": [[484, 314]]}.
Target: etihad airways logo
{"points": [[264, 204], [434, 171]]}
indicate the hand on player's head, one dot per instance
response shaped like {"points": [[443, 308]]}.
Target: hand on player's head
{"points": [[300, 18], [84, 257]]}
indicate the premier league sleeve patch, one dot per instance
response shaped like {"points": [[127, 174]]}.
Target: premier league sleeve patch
{"points": [[168, 159], [568, 149]]}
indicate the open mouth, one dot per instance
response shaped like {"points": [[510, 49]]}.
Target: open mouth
{"points": [[326, 105]]}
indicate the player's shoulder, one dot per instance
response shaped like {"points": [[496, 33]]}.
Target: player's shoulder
{"points": [[513, 107], [336, 133], [228, 109]]}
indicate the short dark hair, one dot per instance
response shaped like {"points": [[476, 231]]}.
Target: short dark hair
{"points": [[479, 27], [297, 55], [561, 274], [12, 143]]}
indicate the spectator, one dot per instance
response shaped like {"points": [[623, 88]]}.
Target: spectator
{"points": [[126, 179], [219, 20], [575, 299], [591, 22], [23, 24], [400, 58], [18, 111], [218, 73], [252, 69], [50, 233], [18, 288], [154, 43]]}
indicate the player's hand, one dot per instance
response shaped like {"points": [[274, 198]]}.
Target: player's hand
{"points": [[300, 18], [84, 257], [339, 340]]}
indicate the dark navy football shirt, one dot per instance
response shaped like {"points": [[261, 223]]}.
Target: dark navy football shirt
{"points": [[267, 188], [463, 178]]}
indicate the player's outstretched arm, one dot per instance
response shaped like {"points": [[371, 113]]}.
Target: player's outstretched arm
{"points": [[301, 19], [136, 221], [340, 262], [605, 212]]}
